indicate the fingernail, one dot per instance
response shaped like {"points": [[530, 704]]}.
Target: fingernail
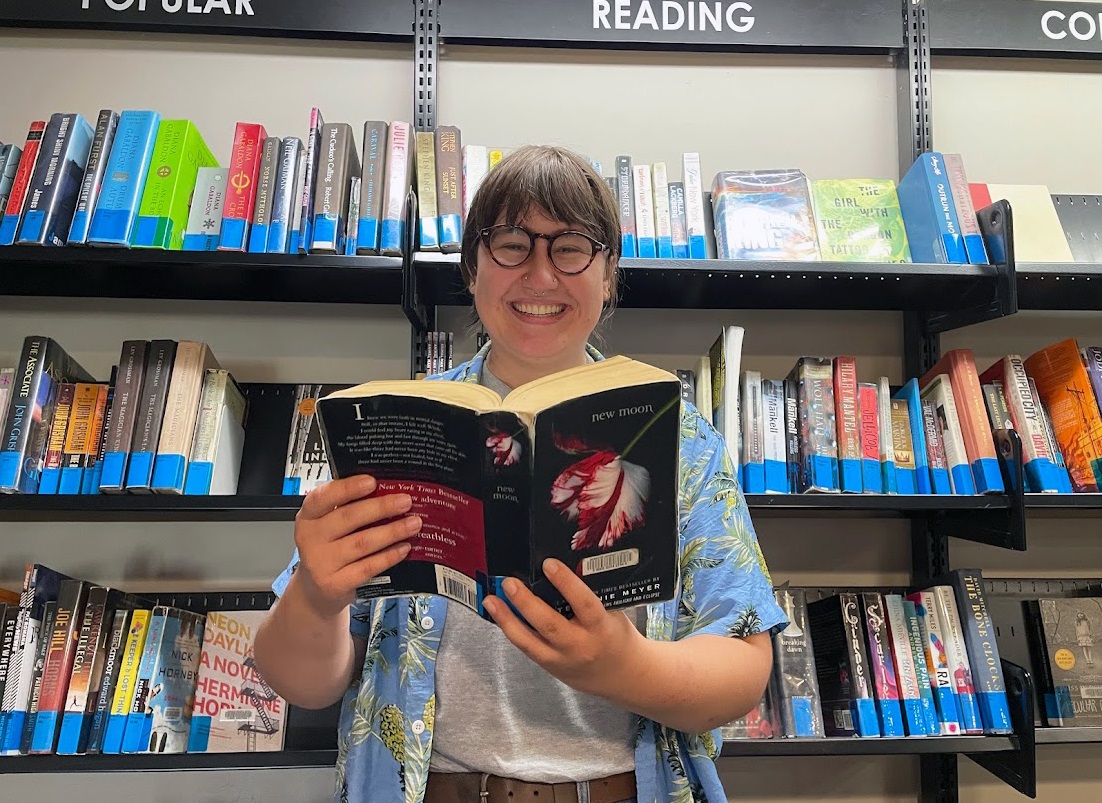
{"points": [[368, 484], [413, 524], [406, 501], [404, 548], [510, 586], [550, 567]]}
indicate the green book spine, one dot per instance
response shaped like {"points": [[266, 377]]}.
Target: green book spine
{"points": [[859, 221], [166, 200]]}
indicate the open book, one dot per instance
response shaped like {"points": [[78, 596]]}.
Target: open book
{"points": [[581, 465]]}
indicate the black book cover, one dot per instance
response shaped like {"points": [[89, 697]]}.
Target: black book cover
{"points": [[592, 481], [49, 618]]}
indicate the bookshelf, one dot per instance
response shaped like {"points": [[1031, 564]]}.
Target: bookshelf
{"points": [[935, 298]]}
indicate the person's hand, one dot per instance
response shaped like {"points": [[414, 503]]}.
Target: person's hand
{"points": [[341, 542], [591, 652]]}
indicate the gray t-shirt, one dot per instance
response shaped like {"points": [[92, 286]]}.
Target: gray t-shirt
{"points": [[499, 712]]}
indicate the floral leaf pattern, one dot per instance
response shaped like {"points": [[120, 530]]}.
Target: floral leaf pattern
{"points": [[387, 719]]}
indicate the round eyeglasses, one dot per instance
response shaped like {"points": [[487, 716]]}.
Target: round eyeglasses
{"points": [[571, 252]]}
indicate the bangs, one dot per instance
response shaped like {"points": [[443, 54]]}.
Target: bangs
{"points": [[563, 195]]}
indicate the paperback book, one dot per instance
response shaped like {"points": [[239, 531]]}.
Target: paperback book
{"points": [[580, 466]]}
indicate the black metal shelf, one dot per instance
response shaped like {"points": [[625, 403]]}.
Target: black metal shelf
{"points": [[1064, 505], [199, 275], [734, 284], [1068, 735], [1059, 285], [872, 505], [139, 762], [893, 746]]}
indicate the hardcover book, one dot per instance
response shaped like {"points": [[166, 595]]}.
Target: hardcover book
{"points": [[580, 466], [859, 220], [764, 214]]}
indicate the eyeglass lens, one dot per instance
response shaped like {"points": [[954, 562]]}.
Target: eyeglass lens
{"points": [[570, 252]]}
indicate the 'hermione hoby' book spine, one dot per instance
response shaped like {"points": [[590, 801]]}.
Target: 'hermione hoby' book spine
{"points": [[237, 212]]}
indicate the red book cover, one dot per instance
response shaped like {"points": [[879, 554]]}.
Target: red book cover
{"points": [[960, 364], [26, 168], [57, 669], [980, 196], [868, 407]]}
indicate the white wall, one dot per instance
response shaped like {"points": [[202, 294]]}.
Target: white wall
{"points": [[834, 117]]}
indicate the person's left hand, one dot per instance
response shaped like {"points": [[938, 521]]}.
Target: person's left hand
{"points": [[591, 652]]}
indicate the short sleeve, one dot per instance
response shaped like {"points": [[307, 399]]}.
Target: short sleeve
{"points": [[359, 623], [725, 584]]}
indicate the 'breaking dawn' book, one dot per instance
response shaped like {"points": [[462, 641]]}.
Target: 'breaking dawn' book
{"points": [[579, 466]]}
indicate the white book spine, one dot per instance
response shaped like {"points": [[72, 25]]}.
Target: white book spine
{"points": [[940, 392], [644, 211], [883, 400], [476, 164], [694, 205], [901, 648], [957, 653], [941, 677], [663, 224], [1024, 409], [774, 447], [398, 174]]}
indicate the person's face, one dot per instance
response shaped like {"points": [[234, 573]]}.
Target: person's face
{"points": [[534, 313]]}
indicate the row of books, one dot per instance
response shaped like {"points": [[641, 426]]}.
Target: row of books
{"points": [[821, 430], [170, 421], [137, 180], [870, 664], [91, 669]]}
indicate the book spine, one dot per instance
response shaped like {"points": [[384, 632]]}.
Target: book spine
{"points": [[106, 126], [936, 458], [1040, 467], [945, 211], [109, 679], [694, 206], [978, 443], [1063, 480], [9, 625], [330, 194], [1092, 361], [266, 180], [476, 164], [123, 698], [13, 212], [80, 683], [887, 436], [237, 210], [48, 213], [795, 689], [752, 459], [792, 434], [663, 224], [957, 655], [428, 223], [149, 416], [449, 193], [956, 456], [912, 393], [819, 449], [305, 214], [205, 214], [135, 738], [78, 438], [941, 677], [181, 407], [116, 210], [352, 218], [899, 638], [966, 213], [392, 235], [885, 685], [625, 196], [775, 450], [903, 447], [32, 387], [644, 212], [922, 666], [868, 410], [50, 480], [93, 464], [371, 187], [679, 226], [849, 434], [124, 415], [58, 668], [983, 651], [42, 646], [10, 156], [863, 705], [211, 402]]}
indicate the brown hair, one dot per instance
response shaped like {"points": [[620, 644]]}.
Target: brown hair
{"points": [[556, 181]]}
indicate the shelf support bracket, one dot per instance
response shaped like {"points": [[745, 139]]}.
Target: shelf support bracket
{"points": [[1018, 768]]}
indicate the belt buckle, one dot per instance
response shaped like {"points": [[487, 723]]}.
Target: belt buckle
{"points": [[483, 792]]}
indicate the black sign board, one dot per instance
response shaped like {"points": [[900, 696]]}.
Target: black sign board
{"points": [[821, 25], [1016, 27], [317, 19]]}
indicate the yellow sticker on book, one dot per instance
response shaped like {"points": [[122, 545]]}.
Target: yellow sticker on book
{"points": [[306, 406], [1065, 659]]}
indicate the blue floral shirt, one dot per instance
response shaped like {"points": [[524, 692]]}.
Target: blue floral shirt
{"points": [[386, 721]]}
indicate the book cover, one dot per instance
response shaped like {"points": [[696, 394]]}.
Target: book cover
{"points": [[693, 186], [13, 210], [55, 186], [204, 223], [859, 220], [625, 200], [235, 710], [162, 216], [764, 214], [868, 410], [243, 169], [262, 205], [371, 187], [284, 200], [581, 467], [305, 215], [172, 690], [1067, 631], [929, 214], [795, 687], [883, 675], [428, 223]]}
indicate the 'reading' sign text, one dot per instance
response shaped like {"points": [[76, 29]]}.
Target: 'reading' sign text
{"points": [[238, 8], [673, 15]]}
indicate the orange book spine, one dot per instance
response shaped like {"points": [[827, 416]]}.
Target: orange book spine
{"points": [[1065, 389]]}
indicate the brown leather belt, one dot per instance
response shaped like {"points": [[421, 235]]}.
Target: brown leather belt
{"points": [[467, 787]]}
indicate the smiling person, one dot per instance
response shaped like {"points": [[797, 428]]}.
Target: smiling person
{"points": [[441, 706]]}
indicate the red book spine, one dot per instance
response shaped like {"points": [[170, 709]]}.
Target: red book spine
{"points": [[244, 168], [26, 168]]}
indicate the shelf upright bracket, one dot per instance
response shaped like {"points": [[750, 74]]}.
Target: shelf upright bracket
{"points": [[1017, 768], [426, 30], [921, 349]]}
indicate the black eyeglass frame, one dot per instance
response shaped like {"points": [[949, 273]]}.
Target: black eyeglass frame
{"points": [[598, 246]]}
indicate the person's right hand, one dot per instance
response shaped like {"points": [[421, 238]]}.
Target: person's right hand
{"points": [[342, 545]]}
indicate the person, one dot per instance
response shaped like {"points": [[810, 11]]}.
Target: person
{"points": [[440, 705]]}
